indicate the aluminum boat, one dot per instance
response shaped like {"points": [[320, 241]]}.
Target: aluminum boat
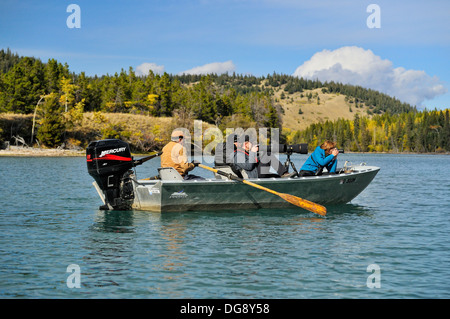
{"points": [[109, 163]]}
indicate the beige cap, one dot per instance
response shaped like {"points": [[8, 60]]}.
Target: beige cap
{"points": [[176, 135]]}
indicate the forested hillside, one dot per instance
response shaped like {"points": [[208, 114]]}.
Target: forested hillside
{"points": [[421, 132], [59, 100]]}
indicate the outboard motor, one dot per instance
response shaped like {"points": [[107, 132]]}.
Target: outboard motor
{"points": [[110, 162]]}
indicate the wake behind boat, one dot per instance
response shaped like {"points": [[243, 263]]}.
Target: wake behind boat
{"points": [[110, 163]]}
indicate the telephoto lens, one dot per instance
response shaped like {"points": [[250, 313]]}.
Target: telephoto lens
{"points": [[297, 148], [283, 148]]}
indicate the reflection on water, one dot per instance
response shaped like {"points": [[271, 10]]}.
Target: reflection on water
{"points": [[112, 242], [173, 258], [336, 211], [109, 246], [114, 221], [174, 236]]}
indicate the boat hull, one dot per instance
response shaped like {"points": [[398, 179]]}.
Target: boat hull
{"points": [[216, 194]]}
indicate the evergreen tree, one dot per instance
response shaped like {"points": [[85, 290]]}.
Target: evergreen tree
{"points": [[7, 60], [53, 74], [52, 127], [22, 86], [164, 92]]}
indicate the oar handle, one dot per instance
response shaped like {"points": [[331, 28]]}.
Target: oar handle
{"points": [[230, 176], [145, 159]]}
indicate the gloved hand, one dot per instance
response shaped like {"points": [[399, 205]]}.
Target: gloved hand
{"points": [[195, 163]]}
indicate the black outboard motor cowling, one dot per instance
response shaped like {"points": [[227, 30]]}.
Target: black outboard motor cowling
{"points": [[109, 162]]}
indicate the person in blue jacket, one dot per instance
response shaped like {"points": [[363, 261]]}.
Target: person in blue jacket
{"points": [[324, 156]]}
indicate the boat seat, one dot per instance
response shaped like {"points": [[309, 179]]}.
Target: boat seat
{"points": [[227, 169], [169, 174]]}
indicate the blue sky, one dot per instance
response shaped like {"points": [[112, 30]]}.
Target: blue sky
{"points": [[407, 57]]}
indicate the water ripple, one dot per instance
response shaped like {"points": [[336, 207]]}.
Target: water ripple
{"points": [[49, 220]]}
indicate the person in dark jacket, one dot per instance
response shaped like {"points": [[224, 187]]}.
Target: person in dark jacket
{"points": [[225, 151], [324, 156], [267, 163], [246, 156]]}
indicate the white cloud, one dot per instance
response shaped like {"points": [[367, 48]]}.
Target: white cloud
{"points": [[216, 67], [145, 67], [354, 65]]}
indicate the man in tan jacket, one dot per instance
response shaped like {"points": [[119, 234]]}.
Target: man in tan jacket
{"points": [[175, 155]]}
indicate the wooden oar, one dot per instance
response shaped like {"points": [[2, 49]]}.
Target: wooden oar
{"points": [[297, 201]]}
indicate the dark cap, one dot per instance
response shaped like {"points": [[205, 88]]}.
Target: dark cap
{"points": [[247, 138], [232, 138]]}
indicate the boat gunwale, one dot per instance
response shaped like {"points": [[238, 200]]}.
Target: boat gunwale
{"points": [[270, 180]]}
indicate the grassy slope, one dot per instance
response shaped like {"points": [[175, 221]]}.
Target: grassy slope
{"points": [[331, 107]]}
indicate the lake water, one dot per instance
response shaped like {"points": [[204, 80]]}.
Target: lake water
{"points": [[49, 220]]}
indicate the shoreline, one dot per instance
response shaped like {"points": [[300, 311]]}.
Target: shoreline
{"points": [[40, 152], [53, 152]]}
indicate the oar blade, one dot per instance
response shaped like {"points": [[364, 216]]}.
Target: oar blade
{"points": [[304, 203]]}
